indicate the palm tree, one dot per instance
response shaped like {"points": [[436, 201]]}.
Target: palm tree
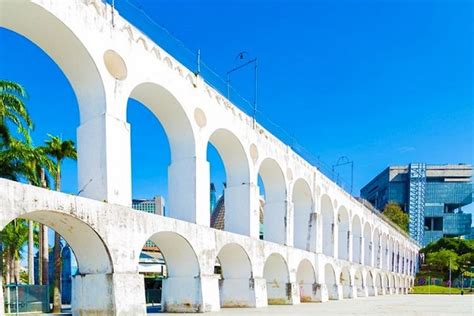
{"points": [[58, 150], [13, 237], [13, 111]]}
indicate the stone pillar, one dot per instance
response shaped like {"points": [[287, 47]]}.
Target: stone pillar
{"points": [[321, 293], [190, 294], [243, 292], [188, 190], [242, 210], [362, 250], [335, 238], [289, 224], [312, 242], [275, 221], [350, 248], [339, 291], [349, 291], [319, 234], [371, 249], [108, 294], [103, 160], [282, 293], [309, 292]]}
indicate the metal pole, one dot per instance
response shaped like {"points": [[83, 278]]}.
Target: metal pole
{"points": [[113, 13], [198, 62], [255, 95], [449, 276], [16, 298]]}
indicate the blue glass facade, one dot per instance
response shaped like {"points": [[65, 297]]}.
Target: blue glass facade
{"points": [[447, 189]]}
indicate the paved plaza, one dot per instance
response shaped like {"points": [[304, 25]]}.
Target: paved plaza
{"points": [[383, 305]]}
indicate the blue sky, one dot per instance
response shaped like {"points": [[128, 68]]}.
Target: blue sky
{"points": [[382, 82]]}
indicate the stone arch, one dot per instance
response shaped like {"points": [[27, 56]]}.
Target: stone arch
{"points": [[346, 282], [331, 282], [276, 274], [58, 36], [343, 233], [379, 284], [370, 284], [303, 207], [236, 273], [88, 246], [368, 245], [169, 111], [275, 205], [66, 49], [183, 272], [356, 239], [306, 279], [360, 284], [327, 216], [94, 261], [237, 197]]}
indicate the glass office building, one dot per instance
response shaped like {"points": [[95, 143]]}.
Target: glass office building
{"points": [[433, 195]]}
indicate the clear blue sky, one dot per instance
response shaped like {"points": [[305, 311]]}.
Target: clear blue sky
{"points": [[382, 82]]}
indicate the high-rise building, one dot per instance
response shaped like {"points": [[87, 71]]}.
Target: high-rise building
{"points": [[432, 195]]}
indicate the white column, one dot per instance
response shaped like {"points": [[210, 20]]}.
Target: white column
{"points": [[335, 237], [242, 210], [188, 190], [362, 250], [108, 294], [103, 165], [349, 242]]}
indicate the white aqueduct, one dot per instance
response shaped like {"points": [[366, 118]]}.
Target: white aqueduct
{"points": [[320, 243]]}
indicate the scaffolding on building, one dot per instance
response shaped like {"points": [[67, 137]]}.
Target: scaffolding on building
{"points": [[416, 204]]}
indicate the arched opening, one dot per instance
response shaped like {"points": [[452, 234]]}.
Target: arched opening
{"points": [[173, 277], [377, 249], [379, 284], [237, 191], [302, 205], [345, 280], [370, 284], [327, 215], [368, 246], [276, 274], [359, 284], [83, 254], [393, 285], [275, 201], [236, 275], [343, 233], [356, 239], [331, 282], [180, 175], [306, 279]]}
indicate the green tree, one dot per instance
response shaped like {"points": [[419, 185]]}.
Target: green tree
{"points": [[395, 213], [58, 150], [442, 261], [13, 111]]}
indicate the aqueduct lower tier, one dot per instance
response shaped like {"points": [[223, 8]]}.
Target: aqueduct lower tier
{"points": [[107, 240]]}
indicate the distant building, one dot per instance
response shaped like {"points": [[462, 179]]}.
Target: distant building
{"points": [[66, 272], [218, 215], [432, 195], [153, 206]]}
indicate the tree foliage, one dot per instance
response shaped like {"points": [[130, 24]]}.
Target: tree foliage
{"points": [[395, 213]]}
